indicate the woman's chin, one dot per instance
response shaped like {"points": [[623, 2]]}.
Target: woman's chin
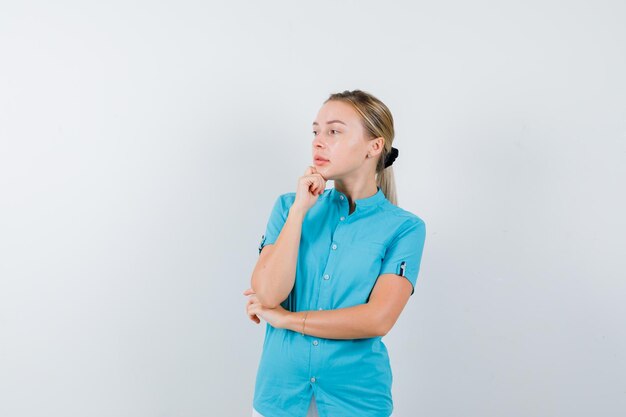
{"points": [[324, 173]]}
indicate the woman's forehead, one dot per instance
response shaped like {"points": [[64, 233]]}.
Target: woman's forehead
{"points": [[336, 112]]}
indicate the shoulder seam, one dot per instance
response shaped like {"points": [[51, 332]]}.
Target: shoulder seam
{"points": [[400, 212]]}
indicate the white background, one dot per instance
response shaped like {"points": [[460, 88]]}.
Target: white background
{"points": [[142, 145]]}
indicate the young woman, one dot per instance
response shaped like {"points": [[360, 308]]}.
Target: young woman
{"points": [[336, 267]]}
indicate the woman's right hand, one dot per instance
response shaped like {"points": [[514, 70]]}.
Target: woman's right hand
{"points": [[310, 186]]}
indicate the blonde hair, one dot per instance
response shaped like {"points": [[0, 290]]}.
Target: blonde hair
{"points": [[377, 121]]}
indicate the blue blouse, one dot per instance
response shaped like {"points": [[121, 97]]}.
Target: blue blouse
{"points": [[340, 258]]}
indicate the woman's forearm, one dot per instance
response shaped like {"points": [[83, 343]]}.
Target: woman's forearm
{"points": [[273, 279], [356, 322]]}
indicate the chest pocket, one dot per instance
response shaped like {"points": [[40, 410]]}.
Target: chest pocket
{"points": [[370, 256], [369, 249], [357, 272]]}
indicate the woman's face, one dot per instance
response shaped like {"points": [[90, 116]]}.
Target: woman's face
{"points": [[340, 139]]}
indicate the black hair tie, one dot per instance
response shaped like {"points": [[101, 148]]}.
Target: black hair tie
{"points": [[391, 156]]}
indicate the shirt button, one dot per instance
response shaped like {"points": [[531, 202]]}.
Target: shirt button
{"points": [[313, 379], [341, 197], [326, 276], [320, 308], [315, 342], [341, 218], [334, 246]]}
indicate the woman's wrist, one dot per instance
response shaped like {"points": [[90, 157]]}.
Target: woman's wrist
{"points": [[293, 321], [296, 212]]}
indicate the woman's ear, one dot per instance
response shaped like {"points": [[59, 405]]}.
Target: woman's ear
{"points": [[376, 146]]}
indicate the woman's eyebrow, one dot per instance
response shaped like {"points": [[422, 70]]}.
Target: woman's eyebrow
{"points": [[330, 122]]}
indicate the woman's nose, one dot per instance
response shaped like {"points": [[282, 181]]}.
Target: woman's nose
{"points": [[318, 141]]}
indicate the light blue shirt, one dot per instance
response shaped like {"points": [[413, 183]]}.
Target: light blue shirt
{"points": [[340, 258]]}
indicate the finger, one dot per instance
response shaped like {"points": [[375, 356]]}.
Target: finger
{"points": [[321, 183], [249, 291], [252, 308], [308, 181], [252, 313], [252, 304], [254, 318], [319, 189], [318, 173]]}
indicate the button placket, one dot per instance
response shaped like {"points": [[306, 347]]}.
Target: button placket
{"points": [[334, 246], [347, 210]]}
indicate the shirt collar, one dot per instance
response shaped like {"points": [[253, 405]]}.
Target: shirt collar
{"points": [[373, 200]]}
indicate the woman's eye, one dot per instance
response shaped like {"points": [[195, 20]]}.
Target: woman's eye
{"points": [[331, 130]]}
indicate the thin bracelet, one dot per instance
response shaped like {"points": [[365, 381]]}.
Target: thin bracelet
{"points": [[303, 320]]}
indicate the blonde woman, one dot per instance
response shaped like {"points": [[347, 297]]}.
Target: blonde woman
{"points": [[336, 267]]}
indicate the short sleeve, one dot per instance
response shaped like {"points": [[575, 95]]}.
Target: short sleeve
{"points": [[404, 254], [275, 223]]}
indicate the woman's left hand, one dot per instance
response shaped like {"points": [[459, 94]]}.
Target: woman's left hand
{"points": [[274, 316]]}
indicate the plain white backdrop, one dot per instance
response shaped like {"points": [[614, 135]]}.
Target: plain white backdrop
{"points": [[142, 145]]}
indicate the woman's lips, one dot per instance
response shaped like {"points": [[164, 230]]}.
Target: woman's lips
{"points": [[319, 161]]}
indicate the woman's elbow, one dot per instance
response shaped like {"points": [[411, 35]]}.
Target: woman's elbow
{"points": [[264, 298], [384, 323], [267, 301]]}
